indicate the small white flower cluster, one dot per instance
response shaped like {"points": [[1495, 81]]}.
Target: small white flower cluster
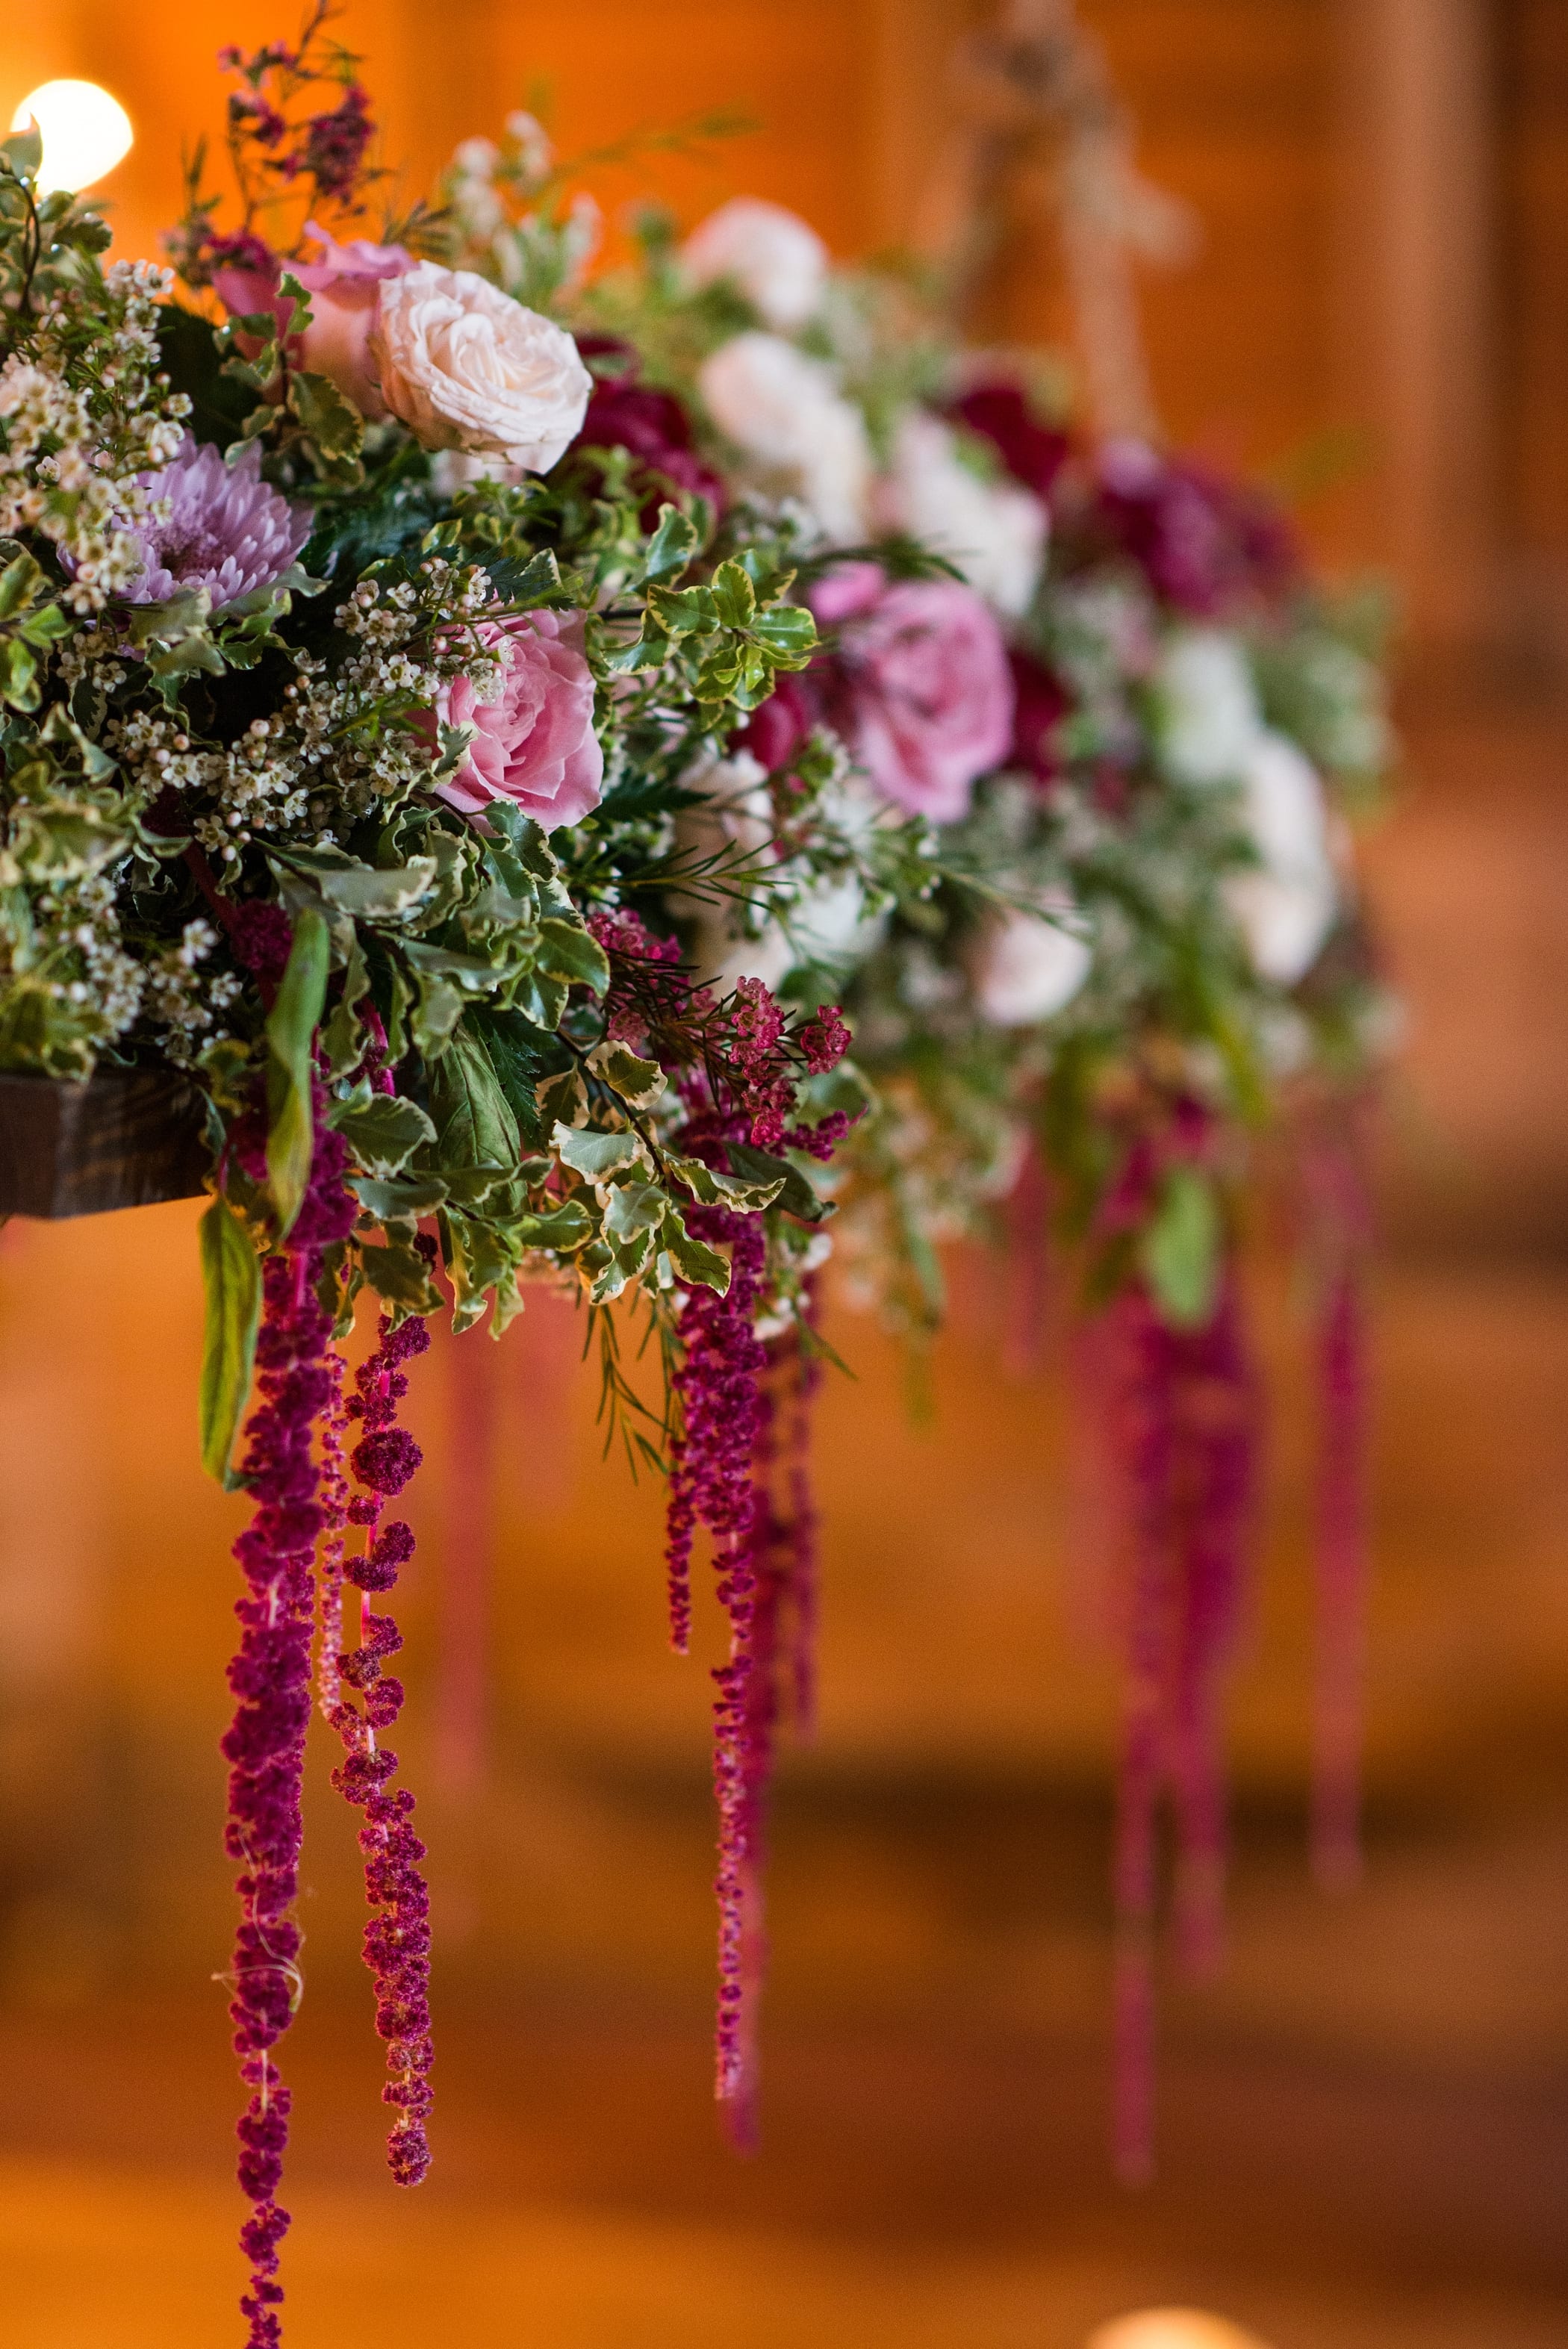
{"points": [[484, 185], [76, 925], [186, 1005], [80, 422], [337, 745]]}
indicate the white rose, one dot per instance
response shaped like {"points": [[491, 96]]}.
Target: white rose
{"points": [[1027, 968], [994, 532], [1286, 905], [769, 255], [1207, 721], [465, 366], [785, 412]]}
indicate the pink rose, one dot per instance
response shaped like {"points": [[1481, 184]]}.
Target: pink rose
{"points": [[927, 693], [345, 299], [535, 745]]}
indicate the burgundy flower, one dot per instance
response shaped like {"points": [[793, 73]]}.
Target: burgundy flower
{"points": [[1033, 452], [656, 428], [1040, 702], [1205, 544], [779, 727]]}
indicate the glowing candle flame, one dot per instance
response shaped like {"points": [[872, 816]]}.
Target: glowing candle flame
{"points": [[86, 132]]}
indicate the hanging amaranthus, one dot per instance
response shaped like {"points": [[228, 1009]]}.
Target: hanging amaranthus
{"points": [[397, 1938], [1181, 1424], [269, 1677]]}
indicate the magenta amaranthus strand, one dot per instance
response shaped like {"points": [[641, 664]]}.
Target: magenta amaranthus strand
{"points": [[269, 1677], [1182, 1424], [397, 1938]]}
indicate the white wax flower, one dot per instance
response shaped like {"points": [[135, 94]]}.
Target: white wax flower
{"points": [[465, 366], [787, 413], [1026, 967], [1286, 906], [995, 532], [770, 254], [1207, 718]]}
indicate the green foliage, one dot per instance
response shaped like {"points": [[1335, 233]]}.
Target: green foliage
{"points": [[231, 1275], [291, 1029]]}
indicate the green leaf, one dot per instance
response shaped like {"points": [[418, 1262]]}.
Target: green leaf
{"points": [[400, 1274], [290, 1033], [374, 896], [20, 583], [232, 1277], [564, 1096], [637, 1082], [333, 422], [672, 545], [789, 632], [713, 1190], [564, 1229], [1180, 1249], [596, 1155], [398, 1202], [698, 1265], [734, 596], [474, 1121], [634, 1208], [568, 951], [384, 1136], [793, 1194], [18, 674]]}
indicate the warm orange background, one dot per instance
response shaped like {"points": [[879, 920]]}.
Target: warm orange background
{"points": [[1365, 2133]]}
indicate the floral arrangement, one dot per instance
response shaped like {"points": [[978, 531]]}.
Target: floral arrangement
{"points": [[1140, 972], [493, 731]]}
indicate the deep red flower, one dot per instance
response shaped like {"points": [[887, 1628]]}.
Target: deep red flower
{"points": [[657, 429], [1040, 703], [1033, 452]]}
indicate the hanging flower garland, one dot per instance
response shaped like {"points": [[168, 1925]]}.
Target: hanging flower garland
{"points": [[476, 726], [1134, 727]]}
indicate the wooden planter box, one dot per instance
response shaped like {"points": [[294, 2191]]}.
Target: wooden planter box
{"points": [[126, 1138]]}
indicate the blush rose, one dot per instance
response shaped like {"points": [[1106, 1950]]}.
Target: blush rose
{"points": [[927, 691], [534, 744]]}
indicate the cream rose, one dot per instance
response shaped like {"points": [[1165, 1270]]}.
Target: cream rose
{"points": [[786, 411], [1028, 966], [994, 532], [1207, 720], [465, 366], [1286, 903], [768, 254]]}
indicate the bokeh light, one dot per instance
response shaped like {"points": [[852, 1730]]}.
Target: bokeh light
{"points": [[86, 132], [1173, 2328]]}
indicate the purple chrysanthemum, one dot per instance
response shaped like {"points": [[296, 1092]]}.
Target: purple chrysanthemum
{"points": [[228, 530]]}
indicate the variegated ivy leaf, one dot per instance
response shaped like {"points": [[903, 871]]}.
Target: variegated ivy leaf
{"points": [[632, 1208], [696, 1264], [599, 1158], [395, 1203], [563, 1096], [373, 895], [712, 1190], [564, 1229], [638, 1082], [454, 742], [569, 951], [384, 1134]]}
